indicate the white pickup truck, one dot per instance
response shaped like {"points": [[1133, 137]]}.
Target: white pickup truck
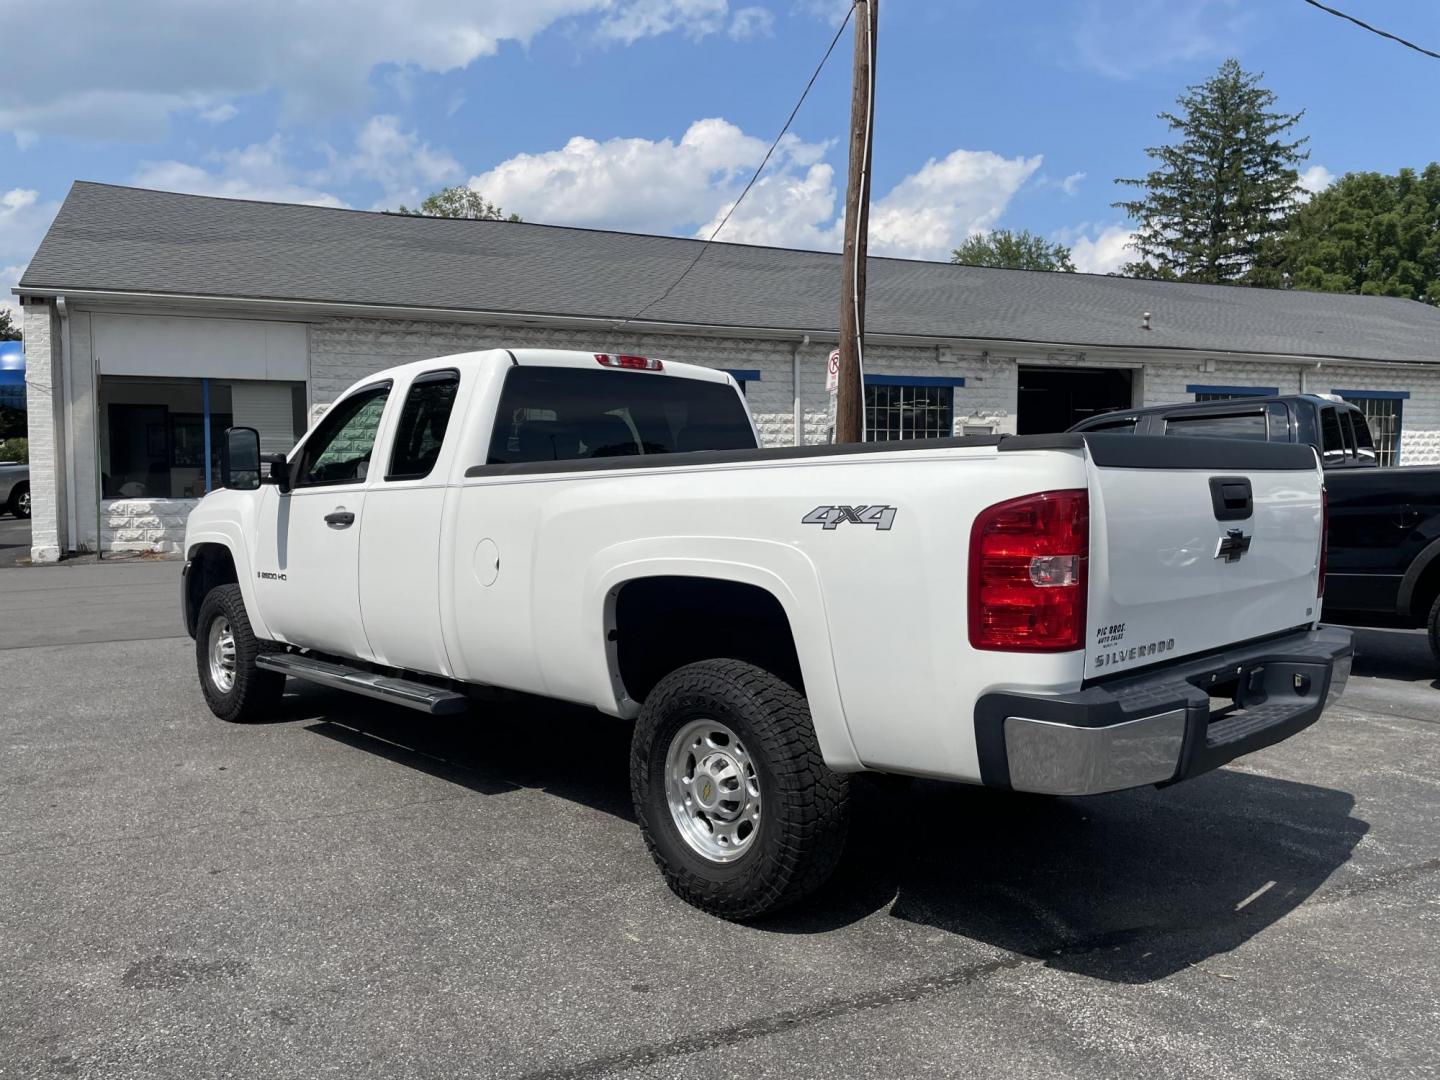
{"points": [[1065, 614]]}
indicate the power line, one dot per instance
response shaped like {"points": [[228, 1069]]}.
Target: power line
{"points": [[756, 176], [1373, 29]]}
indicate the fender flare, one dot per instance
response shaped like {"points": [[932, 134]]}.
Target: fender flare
{"points": [[1418, 566], [784, 572], [227, 534]]}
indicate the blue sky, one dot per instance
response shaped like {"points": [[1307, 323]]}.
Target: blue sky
{"points": [[650, 114]]}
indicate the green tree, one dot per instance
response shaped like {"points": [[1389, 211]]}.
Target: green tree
{"points": [[1021, 250], [1367, 233], [9, 329], [460, 202], [1217, 198]]}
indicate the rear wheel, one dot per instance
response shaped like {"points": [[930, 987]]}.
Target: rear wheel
{"points": [[20, 501], [1433, 623], [735, 804], [225, 652]]}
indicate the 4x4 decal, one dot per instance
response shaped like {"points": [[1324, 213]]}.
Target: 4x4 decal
{"points": [[828, 517]]}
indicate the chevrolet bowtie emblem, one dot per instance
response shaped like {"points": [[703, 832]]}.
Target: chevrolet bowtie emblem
{"points": [[1232, 545]]}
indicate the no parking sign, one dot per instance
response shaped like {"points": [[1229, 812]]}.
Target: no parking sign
{"points": [[832, 372]]}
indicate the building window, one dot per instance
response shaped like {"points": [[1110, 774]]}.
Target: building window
{"points": [[744, 376], [1230, 393], [909, 407], [1383, 410], [154, 433]]}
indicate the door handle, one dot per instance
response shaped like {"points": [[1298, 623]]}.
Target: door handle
{"points": [[340, 518]]}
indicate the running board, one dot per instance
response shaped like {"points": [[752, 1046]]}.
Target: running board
{"points": [[413, 695]]}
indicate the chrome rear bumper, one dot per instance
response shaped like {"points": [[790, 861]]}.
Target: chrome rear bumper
{"points": [[1162, 725]]}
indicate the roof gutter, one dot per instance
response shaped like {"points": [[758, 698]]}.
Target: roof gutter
{"points": [[301, 309]]}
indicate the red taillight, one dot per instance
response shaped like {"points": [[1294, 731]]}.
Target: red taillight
{"points": [[1027, 573], [634, 363], [1324, 540]]}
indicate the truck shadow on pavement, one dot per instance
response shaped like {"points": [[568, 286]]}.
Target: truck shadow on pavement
{"points": [[1395, 654], [1127, 888]]}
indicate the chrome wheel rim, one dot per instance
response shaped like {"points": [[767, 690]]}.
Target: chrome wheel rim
{"points": [[222, 655], [25, 504], [713, 791]]}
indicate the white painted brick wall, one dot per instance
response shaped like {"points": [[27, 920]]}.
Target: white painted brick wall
{"points": [[43, 405], [344, 350], [145, 524]]}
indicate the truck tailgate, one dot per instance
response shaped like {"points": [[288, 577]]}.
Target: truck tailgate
{"points": [[1197, 544]]}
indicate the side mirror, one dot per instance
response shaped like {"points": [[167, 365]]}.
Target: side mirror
{"points": [[279, 472], [240, 459]]}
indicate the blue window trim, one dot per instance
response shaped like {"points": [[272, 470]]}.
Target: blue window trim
{"points": [[912, 380], [1239, 391], [1384, 395], [744, 374]]}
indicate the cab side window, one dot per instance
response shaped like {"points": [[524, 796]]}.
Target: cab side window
{"points": [[1332, 440], [1246, 425], [339, 450], [421, 430]]}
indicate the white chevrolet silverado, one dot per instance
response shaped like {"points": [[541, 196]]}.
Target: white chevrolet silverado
{"points": [[1066, 614]]}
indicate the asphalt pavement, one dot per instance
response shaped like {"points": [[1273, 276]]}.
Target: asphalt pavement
{"points": [[14, 539], [355, 891]]}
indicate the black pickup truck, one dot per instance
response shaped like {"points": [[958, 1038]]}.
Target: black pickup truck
{"points": [[1384, 563]]}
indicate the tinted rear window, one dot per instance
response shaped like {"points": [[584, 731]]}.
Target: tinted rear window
{"points": [[560, 414], [1250, 425]]}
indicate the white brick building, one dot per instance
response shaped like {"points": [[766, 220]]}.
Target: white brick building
{"points": [[153, 319]]}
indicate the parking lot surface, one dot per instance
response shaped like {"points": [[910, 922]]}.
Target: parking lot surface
{"points": [[14, 539], [357, 891]]}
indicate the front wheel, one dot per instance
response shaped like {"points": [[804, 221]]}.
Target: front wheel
{"points": [[20, 501], [735, 804], [225, 651], [1433, 624]]}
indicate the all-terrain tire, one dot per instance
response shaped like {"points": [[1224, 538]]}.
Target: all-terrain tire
{"points": [[804, 805], [1433, 625], [252, 693], [20, 501]]}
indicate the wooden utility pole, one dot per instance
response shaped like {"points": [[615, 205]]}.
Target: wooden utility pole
{"points": [[850, 395]]}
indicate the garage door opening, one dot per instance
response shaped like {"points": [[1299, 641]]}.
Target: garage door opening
{"points": [[1051, 399]]}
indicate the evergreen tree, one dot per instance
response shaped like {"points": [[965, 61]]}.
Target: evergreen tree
{"points": [[1021, 250], [1368, 233], [1220, 194], [9, 328]]}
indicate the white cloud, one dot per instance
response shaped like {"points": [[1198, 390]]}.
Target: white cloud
{"points": [[1097, 250], [218, 114], [259, 171], [405, 167], [399, 163], [635, 184], [1316, 178], [928, 213], [1125, 38], [650, 18], [24, 217], [118, 71], [688, 186], [752, 22], [787, 208], [1071, 184], [9, 278]]}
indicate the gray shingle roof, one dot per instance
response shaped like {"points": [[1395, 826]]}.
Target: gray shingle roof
{"points": [[130, 239]]}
